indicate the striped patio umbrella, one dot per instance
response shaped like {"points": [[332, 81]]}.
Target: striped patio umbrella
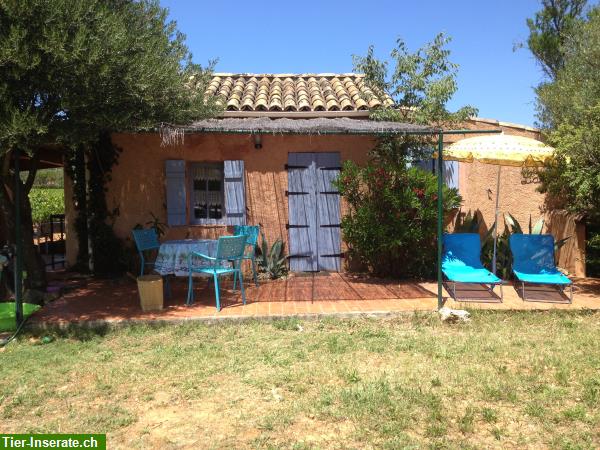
{"points": [[502, 150]]}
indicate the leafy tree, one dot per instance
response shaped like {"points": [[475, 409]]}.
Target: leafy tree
{"points": [[420, 85], [570, 113], [393, 207], [549, 30], [71, 70]]}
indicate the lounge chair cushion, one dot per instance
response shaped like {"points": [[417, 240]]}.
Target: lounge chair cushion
{"points": [[543, 278], [533, 259], [461, 260], [471, 275]]}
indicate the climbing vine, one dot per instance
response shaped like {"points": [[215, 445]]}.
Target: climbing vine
{"points": [[94, 222]]}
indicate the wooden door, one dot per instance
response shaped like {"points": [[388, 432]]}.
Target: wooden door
{"points": [[314, 212]]}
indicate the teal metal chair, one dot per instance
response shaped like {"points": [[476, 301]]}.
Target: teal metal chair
{"points": [[230, 252], [251, 231], [146, 240]]}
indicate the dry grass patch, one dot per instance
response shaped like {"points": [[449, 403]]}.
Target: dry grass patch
{"points": [[520, 380]]}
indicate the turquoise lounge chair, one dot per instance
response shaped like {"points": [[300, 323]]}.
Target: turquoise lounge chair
{"points": [[461, 263], [252, 232], [230, 251], [533, 262]]}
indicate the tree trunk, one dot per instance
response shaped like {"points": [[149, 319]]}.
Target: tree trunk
{"points": [[32, 261]]}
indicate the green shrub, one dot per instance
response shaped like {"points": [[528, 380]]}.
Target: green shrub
{"points": [[392, 223], [592, 250], [46, 202]]}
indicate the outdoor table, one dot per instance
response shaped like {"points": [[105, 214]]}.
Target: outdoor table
{"points": [[172, 256]]}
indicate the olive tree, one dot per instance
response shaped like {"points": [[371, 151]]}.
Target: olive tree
{"points": [[72, 69]]}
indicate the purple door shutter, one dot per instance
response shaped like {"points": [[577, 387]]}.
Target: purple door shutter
{"points": [[328, 212], [176, 192], [302, 215], [235, 197]]}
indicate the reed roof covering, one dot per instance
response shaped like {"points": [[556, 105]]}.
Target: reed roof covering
{"points": [[321, 125]]}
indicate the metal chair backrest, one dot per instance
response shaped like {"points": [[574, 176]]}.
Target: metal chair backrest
{"points": [[146, 239], [532, 253], [231, 247], [249, 230]]}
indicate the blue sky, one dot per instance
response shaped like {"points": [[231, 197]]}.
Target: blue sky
{"points": [[264, 36]]}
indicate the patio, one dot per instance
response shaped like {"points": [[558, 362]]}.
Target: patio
{"points": [[97, 301]]}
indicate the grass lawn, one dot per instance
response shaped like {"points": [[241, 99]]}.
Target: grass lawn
{"points": [[504, 380]]}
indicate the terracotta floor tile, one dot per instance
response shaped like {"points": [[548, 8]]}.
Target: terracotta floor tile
{"points": [[105, 300]]}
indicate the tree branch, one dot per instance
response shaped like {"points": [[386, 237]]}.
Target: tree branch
{"points": [[5, 175], [33, 168]]}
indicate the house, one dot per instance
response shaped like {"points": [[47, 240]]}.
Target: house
{"points": [[270, 160]]}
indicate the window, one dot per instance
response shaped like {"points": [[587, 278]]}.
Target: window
{"points": [[207, 197], [205, 193]]}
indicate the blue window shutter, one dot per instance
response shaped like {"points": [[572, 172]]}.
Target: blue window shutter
{"points": [[328, 211], [425, 164], [176, 195], [450, 173], [451, 169], [302, 216], [235, 194]]}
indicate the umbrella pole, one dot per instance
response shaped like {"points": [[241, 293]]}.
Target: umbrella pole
{"points": [[496, 221]]}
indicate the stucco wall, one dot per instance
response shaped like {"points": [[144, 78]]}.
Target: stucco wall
{"points": [[138, 181], [138, 185]]}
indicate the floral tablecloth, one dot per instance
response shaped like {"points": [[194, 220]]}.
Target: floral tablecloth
{"points": [[172, 256]]}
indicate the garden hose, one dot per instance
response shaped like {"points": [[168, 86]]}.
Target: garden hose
{"points": [[5, 342]]}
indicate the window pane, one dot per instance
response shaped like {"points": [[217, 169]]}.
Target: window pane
{"points": [[199, 200], [207, 200]]}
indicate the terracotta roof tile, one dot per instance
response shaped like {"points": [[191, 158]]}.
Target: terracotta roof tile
{"points": [[289, 92]]}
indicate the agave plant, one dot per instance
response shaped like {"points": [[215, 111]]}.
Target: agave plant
{"points": [[271, 262]]}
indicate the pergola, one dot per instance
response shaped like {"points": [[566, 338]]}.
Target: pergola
{"points": [[283, 126]]}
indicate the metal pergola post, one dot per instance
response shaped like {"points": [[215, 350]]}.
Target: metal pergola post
{"points": [[18, 242], [440, 222]]}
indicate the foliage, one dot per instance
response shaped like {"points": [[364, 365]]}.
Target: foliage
{"points": [[550, 29], [108, 256], [272, 262], [392, 219], [155, 224], [69, 70], [592, 251], [570, 116], [48, 178], [471, 224], [46, 202], [420, 85], [94, 221]]}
